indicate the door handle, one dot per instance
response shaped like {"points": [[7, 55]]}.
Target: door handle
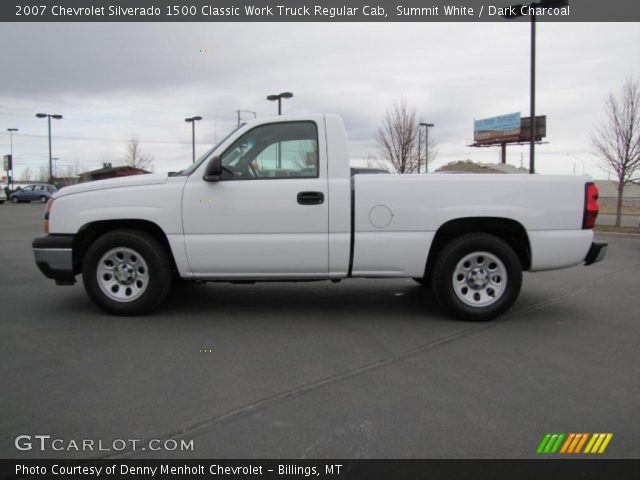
{"points": [[310, 198]]}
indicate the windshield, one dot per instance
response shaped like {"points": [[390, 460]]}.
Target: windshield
{"points": [[207, 155]]}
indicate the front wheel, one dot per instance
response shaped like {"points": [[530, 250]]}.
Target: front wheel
{"points": [[127, 272], [477, 277], [14, 200], [43, 199]]}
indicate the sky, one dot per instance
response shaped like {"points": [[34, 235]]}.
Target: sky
{"points": [[116, 81]]}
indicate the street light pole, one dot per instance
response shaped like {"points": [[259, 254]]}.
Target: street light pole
{"points": [[255, 115], [426, 146], [10, 177], [515, 11], [49, 116], [279, 98], [532, 103], [192, 121]]}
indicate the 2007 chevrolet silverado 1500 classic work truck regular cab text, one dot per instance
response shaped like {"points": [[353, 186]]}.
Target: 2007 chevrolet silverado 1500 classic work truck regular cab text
{"points": [[275, 201]]}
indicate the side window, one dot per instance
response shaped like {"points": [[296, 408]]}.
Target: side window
{"points": [[278, 150]]}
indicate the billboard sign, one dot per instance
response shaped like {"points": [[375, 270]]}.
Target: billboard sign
{"points": [[503, 128], [7, 164], [541, 128]]}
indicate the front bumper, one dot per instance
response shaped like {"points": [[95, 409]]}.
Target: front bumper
{"points": [[54, 258], [596, 253]]}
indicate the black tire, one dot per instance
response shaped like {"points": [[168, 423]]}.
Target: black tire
{"points": [[43, 199], [493, 278], [15, 200], [147, 256], [423, 281]]}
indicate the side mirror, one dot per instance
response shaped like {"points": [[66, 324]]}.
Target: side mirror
{"points": [[213, 171]]}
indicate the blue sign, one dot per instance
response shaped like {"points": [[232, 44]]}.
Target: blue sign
{"points": [[502, 123]]}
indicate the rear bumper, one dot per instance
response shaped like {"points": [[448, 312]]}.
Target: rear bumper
{"points": [[596, 253], [54, 257]]}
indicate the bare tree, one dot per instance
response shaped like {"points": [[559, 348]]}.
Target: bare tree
{"points": [[617, 139], [397, 136], [135, 158], [73, 170], [43, 174], [27, 174], [401, 138]]}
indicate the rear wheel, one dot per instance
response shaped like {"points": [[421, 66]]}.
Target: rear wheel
{"points": [[477, 277], [127, 272]]}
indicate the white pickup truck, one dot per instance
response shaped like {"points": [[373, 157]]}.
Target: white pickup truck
{"points": [[275, 201]]}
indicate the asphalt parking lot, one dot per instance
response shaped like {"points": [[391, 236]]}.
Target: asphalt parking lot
{"points": [[360, 369]]}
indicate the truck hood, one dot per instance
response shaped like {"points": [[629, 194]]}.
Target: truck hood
{"points": [[130, 181]]}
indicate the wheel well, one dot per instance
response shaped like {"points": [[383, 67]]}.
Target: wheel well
{"points": [[508, 230], [90, 232]]}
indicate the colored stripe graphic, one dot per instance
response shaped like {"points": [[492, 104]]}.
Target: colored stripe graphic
{"points": [[598, 442], [555, 447], [550, 443], [568, 442], [572, 443], [543, 443], [581, 442]]}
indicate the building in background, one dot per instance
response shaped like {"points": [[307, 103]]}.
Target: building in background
{"points": [[107, 171]]}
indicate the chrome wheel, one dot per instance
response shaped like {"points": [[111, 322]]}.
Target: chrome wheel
{"points": [[479, 279], [122, 274]]}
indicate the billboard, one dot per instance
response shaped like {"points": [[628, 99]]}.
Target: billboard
{"points": [[503, 128], [507, 129], [541, 128]]}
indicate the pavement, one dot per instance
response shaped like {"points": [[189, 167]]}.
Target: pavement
{"points": [[359, 369], [625, 220]]}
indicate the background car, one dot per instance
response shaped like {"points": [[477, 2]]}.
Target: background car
{"points": [[30, 193], [3, 192]]}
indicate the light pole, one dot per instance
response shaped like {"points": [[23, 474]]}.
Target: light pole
{"points": [[279, 98], [10, 175], [192, 121], [426, 146], [515, 12], [49, 116], [255, 115]]}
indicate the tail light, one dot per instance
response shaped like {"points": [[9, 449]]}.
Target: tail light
{"points": [[46, 215], [591, 206]]}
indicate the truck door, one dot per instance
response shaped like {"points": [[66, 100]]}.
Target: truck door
{"points": [[267, 216]]}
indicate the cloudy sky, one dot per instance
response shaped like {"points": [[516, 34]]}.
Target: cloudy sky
{"points": [[116, 81]]}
